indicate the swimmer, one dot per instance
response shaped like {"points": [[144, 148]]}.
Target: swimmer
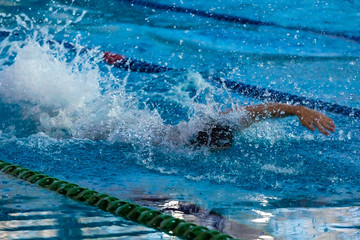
{"points": [[218, 136]]}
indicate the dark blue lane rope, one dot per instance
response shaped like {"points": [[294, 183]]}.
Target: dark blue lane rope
{"points": [[126, 63], [236, 19], [141, 66], [255, 91], [4, 34], [277, 96], [216, 16], [241, 88]]}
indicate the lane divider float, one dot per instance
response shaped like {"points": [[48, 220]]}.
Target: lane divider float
{"points": [[247, 90], [127, 210], [238, 19], [255, 92]]}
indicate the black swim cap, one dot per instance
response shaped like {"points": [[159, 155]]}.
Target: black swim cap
{"points": [[215, 137]]}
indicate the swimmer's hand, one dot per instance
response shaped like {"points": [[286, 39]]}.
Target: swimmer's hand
{"points": [[308, 118], [311, 119]]}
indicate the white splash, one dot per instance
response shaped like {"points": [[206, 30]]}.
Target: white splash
{"points": [[39, 77], [63, 95]]}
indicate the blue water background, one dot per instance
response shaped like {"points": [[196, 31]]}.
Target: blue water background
{"points": [[278, 177]]}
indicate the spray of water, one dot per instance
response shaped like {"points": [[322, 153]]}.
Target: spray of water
{"points": [[73, 94], [65, 95]]}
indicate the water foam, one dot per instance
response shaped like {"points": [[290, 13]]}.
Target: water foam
{"points": [[41, 77], [63, 95]]}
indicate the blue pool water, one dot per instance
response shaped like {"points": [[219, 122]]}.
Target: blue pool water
{"points": [[68, 114]]}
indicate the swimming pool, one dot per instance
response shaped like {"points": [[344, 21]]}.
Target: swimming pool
{"points": [[68, 114]]}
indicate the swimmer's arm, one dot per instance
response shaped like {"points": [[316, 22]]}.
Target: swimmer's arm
{"points": [[308, 118]]}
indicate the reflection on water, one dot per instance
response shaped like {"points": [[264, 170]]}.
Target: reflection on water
{"points": [[322, 223], [61, 108], [21, 218], [28, 212]]}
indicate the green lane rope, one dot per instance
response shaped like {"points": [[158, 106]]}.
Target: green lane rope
{"points": [[130, 211]]}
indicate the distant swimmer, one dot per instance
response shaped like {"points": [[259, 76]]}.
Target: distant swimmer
{"points": [[220, 135]]}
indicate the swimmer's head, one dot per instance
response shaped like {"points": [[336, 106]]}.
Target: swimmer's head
{"points": [[216, 137]]}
